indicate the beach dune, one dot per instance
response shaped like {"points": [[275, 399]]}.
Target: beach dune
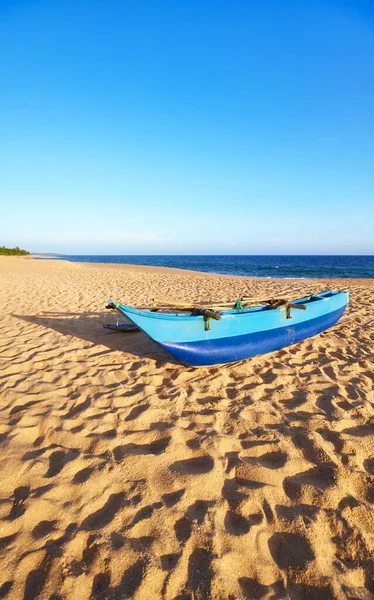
{"points": [[125, 474]]}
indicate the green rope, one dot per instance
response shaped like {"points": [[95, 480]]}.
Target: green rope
{"points": [[238, 305]]}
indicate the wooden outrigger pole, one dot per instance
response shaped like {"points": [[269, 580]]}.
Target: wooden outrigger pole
{"points": [[225, 305]]}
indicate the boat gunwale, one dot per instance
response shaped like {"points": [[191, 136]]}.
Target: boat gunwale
{"points": [[225, 314]]}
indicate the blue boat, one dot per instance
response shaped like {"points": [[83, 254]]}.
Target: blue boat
{"points": [[198, 339]]}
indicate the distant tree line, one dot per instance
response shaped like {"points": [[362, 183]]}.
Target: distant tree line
{"points": [[13, 251]]}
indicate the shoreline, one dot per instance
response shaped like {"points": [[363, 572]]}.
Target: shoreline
{"points": [[160, 269]]}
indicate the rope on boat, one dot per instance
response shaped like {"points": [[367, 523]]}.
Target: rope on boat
{"points": [[239, 305], [207, 314], [112, 306]]}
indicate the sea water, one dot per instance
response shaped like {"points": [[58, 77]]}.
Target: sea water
{"points": [[251, 266]]}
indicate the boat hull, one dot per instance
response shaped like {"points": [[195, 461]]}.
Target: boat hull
{"points": [[238, 336], [241, 347]]}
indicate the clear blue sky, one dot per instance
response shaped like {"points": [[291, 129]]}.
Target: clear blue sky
{"points": [[187, 126]]}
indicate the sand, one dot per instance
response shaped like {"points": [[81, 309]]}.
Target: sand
{"points": [[127, 475]]}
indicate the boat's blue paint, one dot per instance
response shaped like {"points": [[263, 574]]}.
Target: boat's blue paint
{"points": [[237, 335], [240, 347]]}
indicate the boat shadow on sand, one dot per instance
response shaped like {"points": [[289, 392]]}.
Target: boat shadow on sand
{"points": [[88, 326]]}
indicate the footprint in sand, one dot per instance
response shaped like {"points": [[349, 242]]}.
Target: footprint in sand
{"points": [[235, 524], [130, 581], [20, 496], [369, 465], [136, 412], [156, 447], [43, 529], [193, 466], [290, 550], [83, 475], [6, 541], [5, 588], [58, 460], [318, 478], [252, 589], [195, 514], [173, 497], [145, 513], [169, 561], [105, 515], [270, 460]]}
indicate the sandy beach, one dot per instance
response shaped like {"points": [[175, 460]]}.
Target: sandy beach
{"points": [[127, 475]]}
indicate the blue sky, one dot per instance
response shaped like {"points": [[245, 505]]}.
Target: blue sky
{"points": [[187, 126]]}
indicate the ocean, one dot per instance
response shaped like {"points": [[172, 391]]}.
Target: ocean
{"points": [[251, 266]]}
